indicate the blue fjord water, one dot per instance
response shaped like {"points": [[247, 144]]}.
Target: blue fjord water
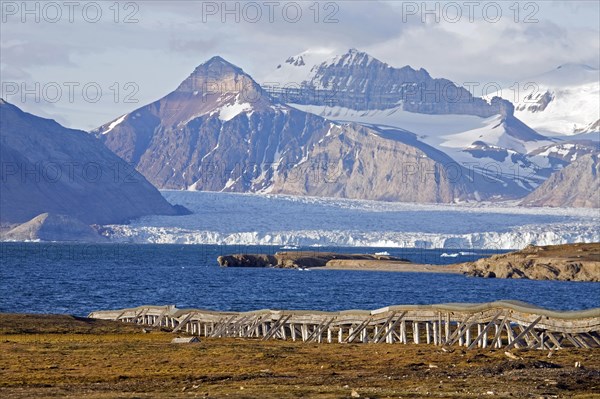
{"points": [[77, 278]]}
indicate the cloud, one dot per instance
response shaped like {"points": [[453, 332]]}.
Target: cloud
{"points": [[29, 53], [13, 73], [501, 52], [171, 38], [193, 47]]}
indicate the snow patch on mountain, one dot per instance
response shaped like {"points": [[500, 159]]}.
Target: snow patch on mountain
{"points": [[114, 124], [230, 111], [353, 57], [492, 133], [571, 110], [298, 68], [570, 74], [483, 144], [421, 124], [568, 152], [564, 101]]}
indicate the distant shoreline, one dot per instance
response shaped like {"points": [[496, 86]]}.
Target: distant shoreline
{"points": [[383, 266], [567, 262]]}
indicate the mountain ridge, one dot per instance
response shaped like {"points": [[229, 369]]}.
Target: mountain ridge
{"points": [[265, 146], [503, 141], [360, 81], [205, 136]]}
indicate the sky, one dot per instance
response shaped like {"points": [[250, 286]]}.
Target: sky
{"points": [[86, 63]]}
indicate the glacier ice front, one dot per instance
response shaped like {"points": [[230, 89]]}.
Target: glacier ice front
{"points": [[250, 219]]}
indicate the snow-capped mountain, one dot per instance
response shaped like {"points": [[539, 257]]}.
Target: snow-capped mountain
{"points": [[564, 152], [486, 135], [359, 81], [298, 68], [217, 131], [564, 101], [220, 131]]}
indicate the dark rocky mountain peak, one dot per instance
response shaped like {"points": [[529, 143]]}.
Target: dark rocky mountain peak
{"points": [[218, 77]]}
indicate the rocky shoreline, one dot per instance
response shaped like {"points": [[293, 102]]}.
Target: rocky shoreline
{"points": [[568, 262]]}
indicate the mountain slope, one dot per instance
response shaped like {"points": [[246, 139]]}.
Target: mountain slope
{"points": [[220, 131], [354, 161], [49, 168], [217, 131], [577, 185], [495, 147]]}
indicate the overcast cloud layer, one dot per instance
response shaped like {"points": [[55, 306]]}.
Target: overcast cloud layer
{"points": [[154, 45]]}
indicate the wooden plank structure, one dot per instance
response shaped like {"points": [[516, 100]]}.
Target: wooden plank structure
{"points": [[502, 324]]}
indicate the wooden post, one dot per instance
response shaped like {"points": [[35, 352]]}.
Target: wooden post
{"points": [[523, 333], [511, 335], [416, 338], [428, 332], [389, 330], [468, 337], [554, 340], [440, 328], [496, 333], [403, 332], [498, 336]]}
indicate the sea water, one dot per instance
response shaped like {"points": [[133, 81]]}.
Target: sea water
{"points": [[78, 278]]}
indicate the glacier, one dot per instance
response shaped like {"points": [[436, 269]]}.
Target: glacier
{"points": [[255, 219]]}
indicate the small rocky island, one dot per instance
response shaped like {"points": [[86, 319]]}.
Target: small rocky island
{"points": [[568, 262], [301, 259]]}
